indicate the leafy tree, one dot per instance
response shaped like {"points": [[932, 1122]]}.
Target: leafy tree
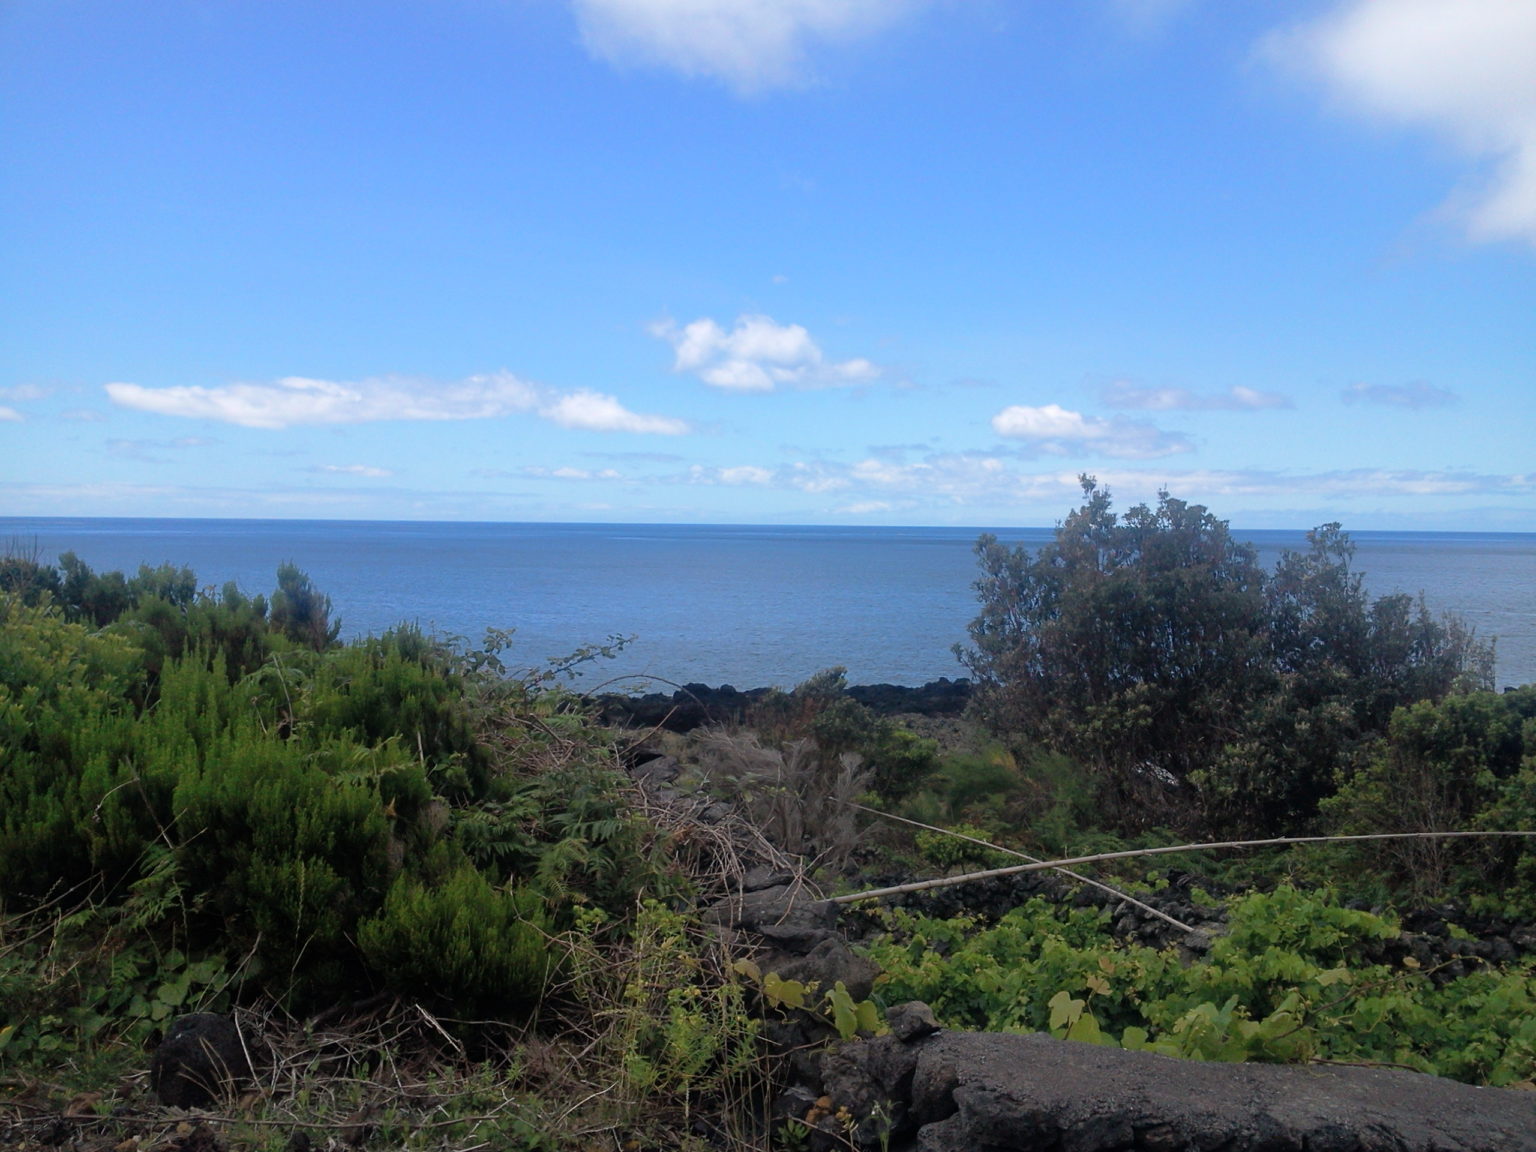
{"points": [[1154, 650], [302, 612], [1341, 665], [96, 599], [1134, 644], [23, 574]]}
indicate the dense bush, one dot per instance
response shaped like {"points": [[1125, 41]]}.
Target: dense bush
{"points": [[1132, 644], [318, 809], [1189, 683], [1464, 763], [65, 721], [462, 942]]}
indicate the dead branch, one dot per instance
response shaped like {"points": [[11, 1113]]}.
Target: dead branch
{"points": [[1129, 899], [1130, 853]]}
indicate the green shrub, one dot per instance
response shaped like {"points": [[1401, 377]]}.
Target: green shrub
{"points": [[301, 612], [63, 705], [288, 855], [1466, 762], [24, 576], [971, 780], [946, 851], [275, 788], [462, 941], [900, 762], [398, 686]]}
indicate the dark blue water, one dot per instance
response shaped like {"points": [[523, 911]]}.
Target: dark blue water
{"points": [[747, 606]]}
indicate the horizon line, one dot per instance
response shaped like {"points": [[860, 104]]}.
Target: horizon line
{"points": [[723, 524]]}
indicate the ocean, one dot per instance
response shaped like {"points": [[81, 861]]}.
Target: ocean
{"points": [[741, 605]]}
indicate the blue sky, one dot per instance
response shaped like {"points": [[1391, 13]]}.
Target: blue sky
{"points": [[780, 261]]}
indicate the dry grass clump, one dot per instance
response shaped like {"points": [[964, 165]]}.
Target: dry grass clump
{"points": [[799, 797], [648, 1044]]}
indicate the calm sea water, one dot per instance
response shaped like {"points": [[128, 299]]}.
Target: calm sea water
{"points": [[749, 606]]}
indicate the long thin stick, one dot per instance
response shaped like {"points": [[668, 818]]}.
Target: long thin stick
{"points": [[1014, 869], [1179, 924]]}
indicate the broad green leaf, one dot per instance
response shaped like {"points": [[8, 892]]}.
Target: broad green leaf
{"points": [[783, 993], [1065, 1010], [1086, 1029]]}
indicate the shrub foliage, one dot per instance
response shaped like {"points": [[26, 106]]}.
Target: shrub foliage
{"points": [[1192, 685], [337, 818]]}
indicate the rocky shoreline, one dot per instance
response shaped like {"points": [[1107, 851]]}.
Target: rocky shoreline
{"points": [[696, 705]]}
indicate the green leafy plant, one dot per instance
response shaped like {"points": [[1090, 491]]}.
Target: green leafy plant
{"points": [[1296, 977], [849, 1017]]}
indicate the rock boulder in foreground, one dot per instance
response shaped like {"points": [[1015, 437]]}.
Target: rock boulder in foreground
{"points": [[987, 1092]]}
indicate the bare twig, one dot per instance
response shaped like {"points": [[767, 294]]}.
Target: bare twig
{"points": [[1129, 899], [441, 1031], [1130, 853]]}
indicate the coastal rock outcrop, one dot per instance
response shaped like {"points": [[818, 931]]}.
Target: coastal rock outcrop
{"points": [[987, 1092]]}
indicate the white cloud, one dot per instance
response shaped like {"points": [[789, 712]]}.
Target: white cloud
{"points": [[879, 485], [9, 413], [1056, 431], [367, 470], [1345, 484], [731, 477], [758, 355], [1465, 69], [751, 45], [566, 472], [596, 412], [296, 400], [966, 488], [1238, 398], [1415, 395], [745, 474], [23, 392], [1252, 399], [638, 457], [1051, 422], [816, 477]]}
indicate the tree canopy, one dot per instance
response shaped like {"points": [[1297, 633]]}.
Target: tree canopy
{"points": [[1155, 649]]}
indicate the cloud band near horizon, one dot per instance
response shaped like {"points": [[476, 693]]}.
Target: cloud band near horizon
{"points": [[297, 400]]}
